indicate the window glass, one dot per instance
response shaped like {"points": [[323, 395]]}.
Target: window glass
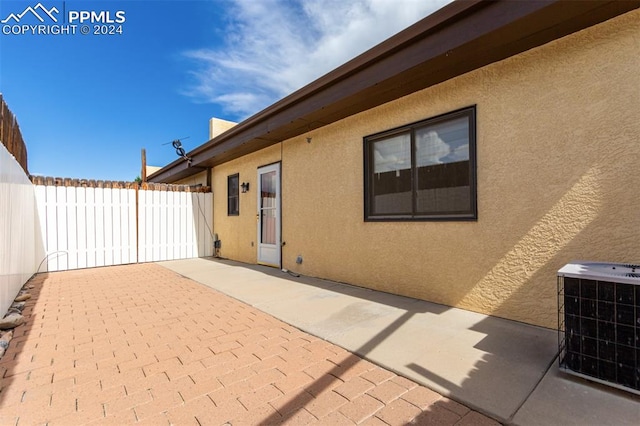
{"points": [[442, 167], [392, 174], [268, 207], [423, 171], [233, 195]]}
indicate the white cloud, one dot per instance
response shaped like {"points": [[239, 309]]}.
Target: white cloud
{"points": [[274, 47], [431, 149], [461, 153], [392, 154]]}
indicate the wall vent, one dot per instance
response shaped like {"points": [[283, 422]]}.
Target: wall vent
{"points": [[599, 323]]}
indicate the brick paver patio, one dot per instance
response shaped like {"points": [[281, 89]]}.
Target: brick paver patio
{"points": [[141, 344]]}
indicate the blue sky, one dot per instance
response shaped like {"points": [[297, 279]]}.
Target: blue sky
{"points": [[88, 104]]}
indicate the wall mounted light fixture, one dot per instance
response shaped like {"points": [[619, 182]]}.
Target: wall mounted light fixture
{"points": [[308, 140], [245, 186]]}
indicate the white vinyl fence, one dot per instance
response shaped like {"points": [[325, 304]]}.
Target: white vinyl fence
{"points": [[104, 224], [20, 243], [174, 225]]}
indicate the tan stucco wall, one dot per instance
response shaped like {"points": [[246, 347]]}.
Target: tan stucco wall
{"points": [[238, 233], [197, 179], [149, 170], [218, 126], [558, 145]]}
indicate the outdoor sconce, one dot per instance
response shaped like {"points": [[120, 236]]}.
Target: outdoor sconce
{"points": [[245, 187]]}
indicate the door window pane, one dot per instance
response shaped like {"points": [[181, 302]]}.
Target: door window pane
{"points": [[268, 187], [268, 226]]}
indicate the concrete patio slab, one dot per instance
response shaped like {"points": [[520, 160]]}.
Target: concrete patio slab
{"points": [[484, 362], [567, 400], [455, 354]]}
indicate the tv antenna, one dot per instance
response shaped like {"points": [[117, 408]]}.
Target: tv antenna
{"points": [[177, 144]]}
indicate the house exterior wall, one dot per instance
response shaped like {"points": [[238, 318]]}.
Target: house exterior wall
{"points": [[218, 126], [149, 170], [197, 179], [557, 145], [238, 234]]}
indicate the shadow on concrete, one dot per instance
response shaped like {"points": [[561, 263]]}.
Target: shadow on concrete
{"points": [[388, 299]]}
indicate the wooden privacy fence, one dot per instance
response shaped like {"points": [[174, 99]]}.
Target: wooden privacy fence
{"points": [[86, 223], [11, 136]]}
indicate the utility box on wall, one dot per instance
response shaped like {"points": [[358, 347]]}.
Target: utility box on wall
{"points": [[599, 323]]}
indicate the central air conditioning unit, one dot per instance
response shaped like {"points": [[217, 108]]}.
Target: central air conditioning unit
{"points": [[599, 323]]}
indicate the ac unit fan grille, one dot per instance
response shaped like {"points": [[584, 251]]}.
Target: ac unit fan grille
{"points": [[599, 333]]}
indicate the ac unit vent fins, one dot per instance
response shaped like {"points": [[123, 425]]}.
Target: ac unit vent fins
{"points": [[599, 323]]}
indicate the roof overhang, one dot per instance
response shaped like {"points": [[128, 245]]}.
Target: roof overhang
{"points": [[462, 36]]}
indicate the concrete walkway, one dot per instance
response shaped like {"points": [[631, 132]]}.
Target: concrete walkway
{"points": [[504, 369], [140, 344]]}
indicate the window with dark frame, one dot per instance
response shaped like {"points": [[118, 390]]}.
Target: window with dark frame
{"points": [[423, 171], [233, 195]]}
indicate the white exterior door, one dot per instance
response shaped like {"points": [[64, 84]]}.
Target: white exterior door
{"points": [[269, 215]]}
